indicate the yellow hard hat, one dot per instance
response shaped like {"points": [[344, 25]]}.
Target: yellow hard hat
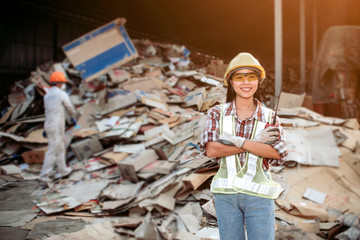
{"points": [[57, 77], [244, 60]]}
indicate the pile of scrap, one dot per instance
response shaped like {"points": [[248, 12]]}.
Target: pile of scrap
{"points": [[137, 168], [134, 152], [321, 174]]}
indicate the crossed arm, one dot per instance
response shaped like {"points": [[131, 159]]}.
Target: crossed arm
{"points": [[216, 149]]}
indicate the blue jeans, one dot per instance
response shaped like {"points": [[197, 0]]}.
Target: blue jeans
{"points": [[234, 211]]}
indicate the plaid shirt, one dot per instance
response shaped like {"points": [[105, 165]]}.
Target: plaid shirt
{"points": [[244, 128]]}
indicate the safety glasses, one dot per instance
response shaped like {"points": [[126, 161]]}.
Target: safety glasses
{"points": [[240, 77]]}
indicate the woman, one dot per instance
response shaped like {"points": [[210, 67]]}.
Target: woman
{"points": [[239, 133]]}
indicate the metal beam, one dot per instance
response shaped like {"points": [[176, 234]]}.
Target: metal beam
{"points": [[314, 31], [278, 45], [302, 47]]}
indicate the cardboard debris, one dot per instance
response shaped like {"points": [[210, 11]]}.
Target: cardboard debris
{"points": [[118, 75], [352, 124], [152, 100], [179, 134], [308, 210], [298, 123], [56, 226], [55, 203], [312, 146], [191, 214], [20, 109], [155, 135], [315, 196], [289, 100], [351, 233], [160, 166], [102, 230], [86, 120], [164, 200], [135, 148], [114, 158], [194, 181], [5, 117], [335, 182], [118, 102], [97, 52], [85, 206], [209, 207], [34, 156], [122, 191], [323, 146], [217, 67], [352, 160], [209, 233], [326, 226], [130, 222], [147, 85], [16, 218], [10, 169], [130, 165], [85, 148], [195, 98], [302, 112], [94, 164], [209, 81], [129, 148], [116, 204], [11, 148], [146, 230]]}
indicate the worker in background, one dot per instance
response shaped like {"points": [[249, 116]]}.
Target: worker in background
{"points": [[244, 137], [56, 101]]}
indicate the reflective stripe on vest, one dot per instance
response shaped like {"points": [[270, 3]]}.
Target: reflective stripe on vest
{"points": [[224, 178], [263, 189]]}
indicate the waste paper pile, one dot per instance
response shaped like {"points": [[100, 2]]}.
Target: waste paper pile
{"points": [[138, 172]]}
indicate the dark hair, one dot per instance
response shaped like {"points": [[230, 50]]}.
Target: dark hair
{"points": [[230, 94]]}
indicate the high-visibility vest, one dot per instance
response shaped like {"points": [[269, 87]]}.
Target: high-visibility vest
{"points": [[250, 178]]}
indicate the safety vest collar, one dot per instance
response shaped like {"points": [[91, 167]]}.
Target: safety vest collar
{"points": [[230, 109]]}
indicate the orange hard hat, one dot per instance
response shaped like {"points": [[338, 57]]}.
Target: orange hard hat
{"points": [[57, 77]]}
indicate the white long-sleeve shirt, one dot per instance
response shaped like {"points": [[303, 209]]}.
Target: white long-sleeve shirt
{"points": [[56, 101]]}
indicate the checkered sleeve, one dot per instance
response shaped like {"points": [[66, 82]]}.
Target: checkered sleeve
{"points": [[211, 129], [279, 146]]}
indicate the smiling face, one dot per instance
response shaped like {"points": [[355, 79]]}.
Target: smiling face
{"points": [[246, 88]]}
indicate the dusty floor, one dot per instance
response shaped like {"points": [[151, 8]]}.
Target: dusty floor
{"points": [[16, 197]]}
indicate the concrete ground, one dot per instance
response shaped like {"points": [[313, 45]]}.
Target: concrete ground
{"points": [[16, 197]]}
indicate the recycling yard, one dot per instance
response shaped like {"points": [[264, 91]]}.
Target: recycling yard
{"points": [[137, 169]]}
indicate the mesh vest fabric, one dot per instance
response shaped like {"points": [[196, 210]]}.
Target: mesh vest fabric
{"points": [[250, 178]]}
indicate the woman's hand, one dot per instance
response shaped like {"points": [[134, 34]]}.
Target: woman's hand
{"points": [[227, 139], [268, 135]]}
